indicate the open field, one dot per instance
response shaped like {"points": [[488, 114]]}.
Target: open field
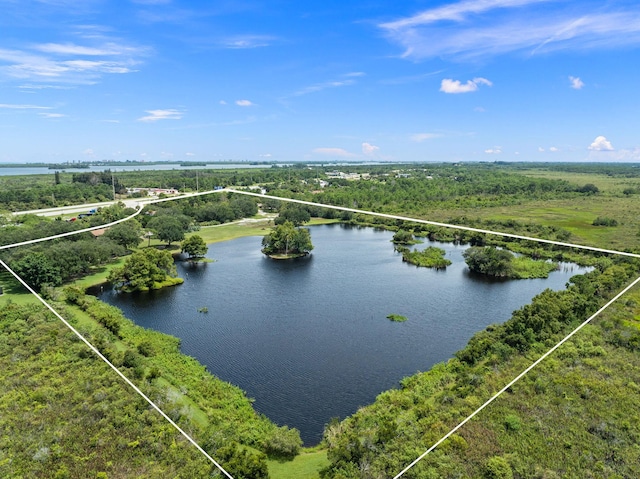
{"points": [[306, 465], [574, 216], [611, 185]]}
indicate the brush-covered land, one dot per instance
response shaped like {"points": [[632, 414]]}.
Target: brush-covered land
{"points": [[574, 415]]}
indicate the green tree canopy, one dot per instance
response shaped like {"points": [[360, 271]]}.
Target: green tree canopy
{"points": [[37, 270], [167, 228], [127, 234], [403, 237], [194, 246], [286, 239], [144, 270], [489, 260], [296, 214]]}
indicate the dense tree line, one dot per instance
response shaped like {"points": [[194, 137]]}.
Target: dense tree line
{"points": [[475, 185]]}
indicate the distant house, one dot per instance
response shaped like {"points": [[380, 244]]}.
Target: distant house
{"points": [[153, 191]]}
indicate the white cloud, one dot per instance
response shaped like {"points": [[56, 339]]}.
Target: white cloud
{"points": [[334, 152], [52, 115], [188, 153], [222, 102], [553, 148], [369, 149], [576, 83], [475, 28], [496, 150], [155, 115], [266, 155], [88, 152], [455, 86], [24, 107], [244, 103], [67, 63], [601, 144], [73, 49], [420, 137], [323, 86], [247, 41], [540, 149]]}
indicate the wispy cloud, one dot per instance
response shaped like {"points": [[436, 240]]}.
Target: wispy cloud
{"points": [[340, 152], [323, 86], [247, 41], [409, 79], [24, 107], [71, 63], [576, 83], [345, 79], [456, 86], [369, 150], [475, 28], [52, 115], [155, 115], [420, 137], [496, 150], [244, 103]]}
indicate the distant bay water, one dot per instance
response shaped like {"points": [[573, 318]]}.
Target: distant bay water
{"points": [[40, 170], [43, 170], [309, 339]]}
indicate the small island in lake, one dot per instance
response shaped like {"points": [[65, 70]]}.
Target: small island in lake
{"points": [[431, 257], [403, 237], [504, 264], [285, 241], [396, 318]]}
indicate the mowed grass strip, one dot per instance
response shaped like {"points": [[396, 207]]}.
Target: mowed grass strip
{"points": [[307, 465]]}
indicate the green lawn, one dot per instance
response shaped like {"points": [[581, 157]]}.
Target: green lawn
{"points": [[12, 290], [225, 232], [305, 466]]}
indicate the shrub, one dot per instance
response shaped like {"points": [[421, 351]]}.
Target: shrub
{"points": [[283, 443], [604, 221], [498, 468]]}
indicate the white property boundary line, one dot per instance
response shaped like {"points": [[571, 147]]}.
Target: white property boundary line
{"points": [[340, 208]]}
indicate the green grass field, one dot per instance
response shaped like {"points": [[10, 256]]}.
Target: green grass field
{"points": [[305, 466], [572, 215]]}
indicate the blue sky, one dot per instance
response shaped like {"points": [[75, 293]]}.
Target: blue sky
{"points": [[276, 80]]}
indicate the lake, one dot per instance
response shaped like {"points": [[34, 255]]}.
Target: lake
{"points": [[308, 339]]}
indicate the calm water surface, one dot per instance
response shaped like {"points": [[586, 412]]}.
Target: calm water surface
{"points": [[309, 339]]}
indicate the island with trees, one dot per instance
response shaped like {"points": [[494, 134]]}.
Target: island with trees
{"points": [[501, 263], [285, 241], [431, 257]]}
